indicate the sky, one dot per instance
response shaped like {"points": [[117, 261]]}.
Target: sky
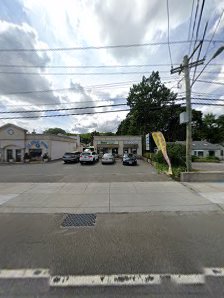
{"points": [[49, 29]]}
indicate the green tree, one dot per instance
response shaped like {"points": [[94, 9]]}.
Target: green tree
{"points": [[54, 131], [211, 131], [152, 108]]}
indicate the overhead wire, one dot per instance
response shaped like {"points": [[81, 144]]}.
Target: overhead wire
{"points": [[168, 31], [214, 32], [99, 47], [62, 115], [195, 18], [62, 109], [92, 66]]}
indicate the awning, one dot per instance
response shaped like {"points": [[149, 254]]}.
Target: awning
{"points": [[130, 145], [107, 145]]}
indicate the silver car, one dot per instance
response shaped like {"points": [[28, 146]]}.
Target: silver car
{"points": [[108, 158]]}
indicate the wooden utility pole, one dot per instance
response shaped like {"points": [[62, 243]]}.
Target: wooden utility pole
{"points": [[189, 113], [185, 68]]}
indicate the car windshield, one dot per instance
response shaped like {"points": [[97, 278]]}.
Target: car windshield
{"points": [[86, 153]]}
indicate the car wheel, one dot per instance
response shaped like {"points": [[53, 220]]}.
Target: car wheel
{"points": [[81, 162], [65, 162]]}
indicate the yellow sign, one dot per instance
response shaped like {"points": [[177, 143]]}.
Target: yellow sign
{"points": [[161, 145]]}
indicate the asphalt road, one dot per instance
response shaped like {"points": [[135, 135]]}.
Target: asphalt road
{"points": [[60, 172], [170, 243], [208, 166]]}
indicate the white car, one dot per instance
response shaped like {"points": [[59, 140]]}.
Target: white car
{"points": [[88, 157], [108, 158]]}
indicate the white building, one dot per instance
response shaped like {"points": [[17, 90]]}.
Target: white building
{"points": [[15, 142], [118, 144]]}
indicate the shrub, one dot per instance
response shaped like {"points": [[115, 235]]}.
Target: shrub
{"points": [[176, 153]]}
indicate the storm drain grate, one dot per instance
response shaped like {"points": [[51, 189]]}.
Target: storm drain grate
{"points": [[79, 220]]}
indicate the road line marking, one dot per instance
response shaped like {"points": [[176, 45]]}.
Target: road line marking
{"points": [[188, 279], [215, 271], [24, 273], [106, 280]]}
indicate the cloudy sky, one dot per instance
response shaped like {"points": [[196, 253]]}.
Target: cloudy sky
{"points": [[64, 75]]}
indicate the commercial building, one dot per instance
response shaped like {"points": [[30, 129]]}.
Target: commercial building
{"points": [[118, 144], [15, 142]]}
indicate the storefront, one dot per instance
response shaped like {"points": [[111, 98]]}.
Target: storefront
{"points": [[118, 145], [15, 142]]}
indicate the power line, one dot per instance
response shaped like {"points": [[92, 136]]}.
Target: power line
{"points": [[189, 30], [86, 66], [92, 66], [61, 115], [195, 17], [200, 48], [198, 98], [210, 82], [108, 85], [74, 73], [62, 109], [118, 84], [87, 73], [101, 47], [214, 32], [67, 103], [168, 31]]}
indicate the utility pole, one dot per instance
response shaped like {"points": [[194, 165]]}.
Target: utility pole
{"points": [[189, 113], [185, 68]]}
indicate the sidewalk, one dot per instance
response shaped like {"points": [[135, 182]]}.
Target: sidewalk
{"points": [[104, 197], [212, 191]]}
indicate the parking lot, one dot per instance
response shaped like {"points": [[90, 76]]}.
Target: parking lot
{"points": [[57, 171]]}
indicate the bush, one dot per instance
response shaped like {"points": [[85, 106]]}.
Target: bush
{"points": [[207, 159], [176, 153], [215, 158]]}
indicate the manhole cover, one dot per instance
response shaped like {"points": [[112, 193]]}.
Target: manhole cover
{"points": [[79, 220]]}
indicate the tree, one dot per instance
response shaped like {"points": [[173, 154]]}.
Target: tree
{"points": [[152, 108], [55, 131]]}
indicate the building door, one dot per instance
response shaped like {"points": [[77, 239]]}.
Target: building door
{"points": [[9, 154], [18, 155], [211, 153]]}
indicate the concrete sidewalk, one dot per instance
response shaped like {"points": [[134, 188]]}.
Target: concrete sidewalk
{"points": [[212, 191], [101, 197]]}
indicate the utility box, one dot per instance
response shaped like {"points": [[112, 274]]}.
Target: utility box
{"points": [[183, 118]]}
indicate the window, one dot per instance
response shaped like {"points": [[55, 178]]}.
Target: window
{"points": [[211, 153], [200, 153]]}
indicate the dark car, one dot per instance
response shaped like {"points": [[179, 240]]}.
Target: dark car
{"points": [[71, 157], [129, 159]]}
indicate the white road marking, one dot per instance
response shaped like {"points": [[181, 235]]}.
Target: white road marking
{"points": [[188, 279], [111, 280], [24, 273], [214, 271], [108, 280]]}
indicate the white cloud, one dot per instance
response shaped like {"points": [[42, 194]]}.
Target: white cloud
{"points": [[69, 23]]}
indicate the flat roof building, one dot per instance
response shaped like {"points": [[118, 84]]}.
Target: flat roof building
{"points": [[118, 145], [15, 142]]}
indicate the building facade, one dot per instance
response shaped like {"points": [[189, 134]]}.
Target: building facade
{"points": [[118, 145], [204, 149], [15, 142]]}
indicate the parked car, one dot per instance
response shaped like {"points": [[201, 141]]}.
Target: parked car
{"points": [[129, 159], [108, 158], [88, 157], [71, 157]]}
